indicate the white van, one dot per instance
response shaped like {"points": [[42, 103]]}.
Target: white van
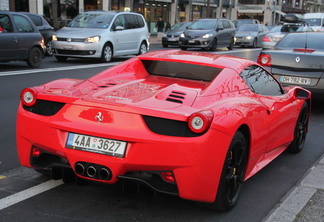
{"points": [[102, 35], [316, 20]]}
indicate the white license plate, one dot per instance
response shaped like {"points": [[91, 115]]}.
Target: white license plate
{"points": [[96, 145], [172, 39], [67, 47], [295, 80], [191, 41]]}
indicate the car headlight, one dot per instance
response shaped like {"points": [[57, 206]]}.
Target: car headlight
{"points": [[54, 38], [248, 37], [182, 35], [206, 36], [92, 39], [164, 35]]}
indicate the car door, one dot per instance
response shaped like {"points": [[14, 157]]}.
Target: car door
{"points": [[134, 31], [26, 35], [281, 108], [227, 32], [121, 36], [8, 38], [220, 33]]}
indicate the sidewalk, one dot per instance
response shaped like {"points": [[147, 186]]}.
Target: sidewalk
{"points": [[154, 40], [305, 202]]}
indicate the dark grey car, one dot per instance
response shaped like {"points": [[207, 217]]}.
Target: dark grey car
{"points": [[171, 37], [20, 39], [297, 59], [44, 28], [208, 34]]}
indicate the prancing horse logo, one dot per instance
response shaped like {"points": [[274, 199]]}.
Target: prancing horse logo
{"points": [[99, 117]]}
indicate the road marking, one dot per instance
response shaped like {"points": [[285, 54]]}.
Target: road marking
{"points": [[2, 177], [30, 71], [25, 194]]}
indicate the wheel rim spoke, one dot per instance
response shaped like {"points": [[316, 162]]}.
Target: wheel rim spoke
{"points": [[235, 171]]}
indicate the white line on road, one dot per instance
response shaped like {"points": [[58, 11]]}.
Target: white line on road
{"points": [[25, 194], [30, 71]]}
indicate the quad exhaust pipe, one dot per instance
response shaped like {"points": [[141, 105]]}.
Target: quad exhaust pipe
{"points": [[94, 171]]}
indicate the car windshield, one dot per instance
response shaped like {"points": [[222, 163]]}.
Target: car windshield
{"points": [[249, 28], [181, 70], [179, 26], [94, 20], [203, 25], [302, 40], [313, 21]]}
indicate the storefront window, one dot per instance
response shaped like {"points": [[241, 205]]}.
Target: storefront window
{"points": [[117, 5], [21, 5], [155, 10], [252, 2], [91, 5], [60, 12]]}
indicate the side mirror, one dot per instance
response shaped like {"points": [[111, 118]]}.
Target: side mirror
{"points": [[118, 28], [219, 28], [301, 93]]}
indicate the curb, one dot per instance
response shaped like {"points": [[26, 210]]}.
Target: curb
{"points": [[290, 208]]}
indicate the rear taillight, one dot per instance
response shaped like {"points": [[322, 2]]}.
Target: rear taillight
{"points": [[199, 122], [265, 39], [28, 96], [264, 59]]}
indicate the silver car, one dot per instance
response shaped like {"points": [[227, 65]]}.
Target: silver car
{"points": [[102, 35], [278, 32], [297, 59], [250, 35]]}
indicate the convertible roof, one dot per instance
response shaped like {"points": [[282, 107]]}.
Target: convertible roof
{"points": [[200, 58]]}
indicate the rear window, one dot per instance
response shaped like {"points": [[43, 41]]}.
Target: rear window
{"points": [[302, 40], [181, 70]]}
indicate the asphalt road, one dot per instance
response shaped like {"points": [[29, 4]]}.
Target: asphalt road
{"points": [[126, 202]]}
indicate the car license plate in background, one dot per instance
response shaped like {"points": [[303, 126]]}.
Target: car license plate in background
{"points": [[96, 145], [295, 80]]}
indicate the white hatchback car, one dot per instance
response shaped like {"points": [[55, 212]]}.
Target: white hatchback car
{"points": [[102, 35]]}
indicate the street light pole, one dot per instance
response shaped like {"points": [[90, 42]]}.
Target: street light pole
{"points": [[274, 12]]}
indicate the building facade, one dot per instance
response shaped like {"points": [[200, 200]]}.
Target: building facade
{"points": [[59, 12]]}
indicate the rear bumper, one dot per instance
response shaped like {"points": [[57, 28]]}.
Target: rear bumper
{"points": [[195, 162]]}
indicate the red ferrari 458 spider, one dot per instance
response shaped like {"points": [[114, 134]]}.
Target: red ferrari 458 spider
{"points": [[190, 124]]}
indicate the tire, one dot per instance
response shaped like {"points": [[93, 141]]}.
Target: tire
{"points": [[300, 130], [49, 49], [35, 56], [143, 49], [213, 45], [61, 58], [232, 177], [231, 45], [255, 43], [165, 45], [107, 53]]}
